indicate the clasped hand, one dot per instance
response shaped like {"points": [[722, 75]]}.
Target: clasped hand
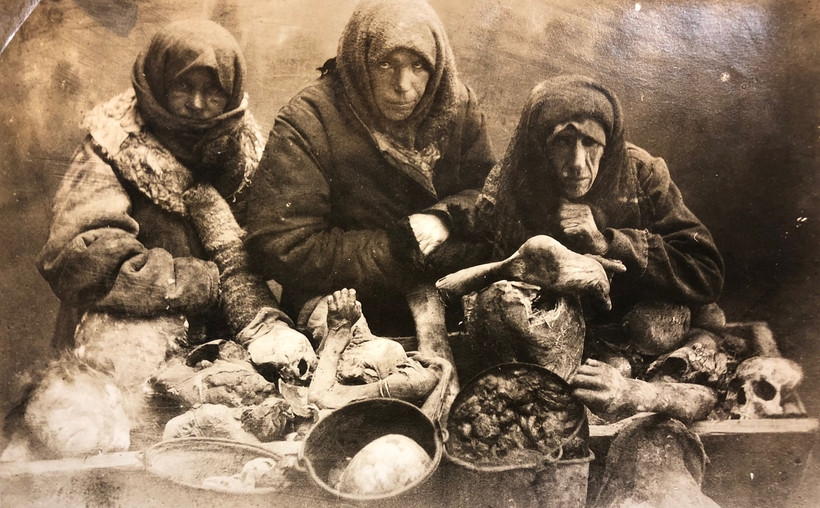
{"points": [[429, 230], [580, 229]]}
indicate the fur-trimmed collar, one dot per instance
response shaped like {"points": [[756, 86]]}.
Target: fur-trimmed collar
{"points": [[121, 139]]}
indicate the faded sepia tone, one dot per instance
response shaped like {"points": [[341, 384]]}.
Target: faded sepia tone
{"points": [[725, 91]]}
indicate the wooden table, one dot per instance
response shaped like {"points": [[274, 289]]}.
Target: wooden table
{"points": [[752, 463]]}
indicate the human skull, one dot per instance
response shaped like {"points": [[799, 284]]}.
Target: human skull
{"points": [[285, 350], [762, 386], [699, 361]]}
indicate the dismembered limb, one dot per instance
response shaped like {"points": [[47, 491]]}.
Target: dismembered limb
{"points": [[427, 309], [542, 261], [412, 380], [249, 307], [338, 336], [611, 396]]}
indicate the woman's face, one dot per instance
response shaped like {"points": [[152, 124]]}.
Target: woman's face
{"points": [[398, 81], [196, 94], [574, 156]]}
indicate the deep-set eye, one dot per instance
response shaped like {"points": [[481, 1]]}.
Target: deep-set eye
{"points": [[214, 93], [563, 141], [588, 141], [384, 65], [418, 65]]}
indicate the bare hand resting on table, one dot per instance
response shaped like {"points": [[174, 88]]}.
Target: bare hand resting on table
{"points": [[611, 396], [603, 389]]}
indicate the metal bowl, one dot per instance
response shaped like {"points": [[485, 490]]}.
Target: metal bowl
{"points": [[189, 461], [347, 430]]}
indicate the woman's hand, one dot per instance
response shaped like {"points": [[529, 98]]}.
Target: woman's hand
{"points": [[430, 231], [580, 229]]}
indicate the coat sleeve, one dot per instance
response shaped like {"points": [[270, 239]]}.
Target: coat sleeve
{"points": [[465, 247], [291, 234], [674, 257], [93, 259], [477, 159]]}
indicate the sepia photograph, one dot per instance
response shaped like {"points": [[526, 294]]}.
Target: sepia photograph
{"points": [[501, 253]]}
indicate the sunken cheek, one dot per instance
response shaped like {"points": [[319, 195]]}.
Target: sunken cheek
{"points": [[398, 86], [576, 179]]}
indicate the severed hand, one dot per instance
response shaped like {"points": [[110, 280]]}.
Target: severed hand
{"points": [[343, 309], [603, 389]]}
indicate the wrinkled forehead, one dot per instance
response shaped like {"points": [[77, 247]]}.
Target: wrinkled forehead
{"points": [[585, 127]]}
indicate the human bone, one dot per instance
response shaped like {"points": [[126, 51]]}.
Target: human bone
{"points": [[699, 361], [293, 358], [542, 261]]}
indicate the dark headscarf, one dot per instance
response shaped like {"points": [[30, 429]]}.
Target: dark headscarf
{"points": [[174, 50], [378, 27], [521, 196]]}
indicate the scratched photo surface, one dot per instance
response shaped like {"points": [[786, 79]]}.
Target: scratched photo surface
{"points": [[725, 91]]}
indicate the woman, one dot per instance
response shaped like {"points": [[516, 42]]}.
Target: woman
{"points": [[569, 173], [123, 241], [367, 169]]}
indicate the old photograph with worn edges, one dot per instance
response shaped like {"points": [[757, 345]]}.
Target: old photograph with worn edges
{"points": [[542, 253]]}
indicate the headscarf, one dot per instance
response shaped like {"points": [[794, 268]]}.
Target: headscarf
{"points": [[521, 196], [378, 27], [174, 50]]}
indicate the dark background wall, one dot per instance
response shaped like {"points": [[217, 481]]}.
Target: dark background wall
{"points": [[725, 91]]}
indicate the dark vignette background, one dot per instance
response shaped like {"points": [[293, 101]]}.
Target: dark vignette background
{"points": [[725, 91]]}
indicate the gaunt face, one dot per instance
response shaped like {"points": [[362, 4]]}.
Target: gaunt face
{"points": [[575, 155], [398, 82], [196, 94]]}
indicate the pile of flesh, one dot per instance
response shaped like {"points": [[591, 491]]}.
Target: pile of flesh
{"points": [[516, 416]]}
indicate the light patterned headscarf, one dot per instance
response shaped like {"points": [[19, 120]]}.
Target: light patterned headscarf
{"points": [[378, 27]]}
